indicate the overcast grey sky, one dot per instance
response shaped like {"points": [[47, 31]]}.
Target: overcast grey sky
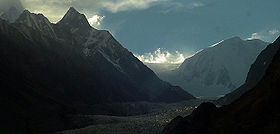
{"points": [[185, 26]]}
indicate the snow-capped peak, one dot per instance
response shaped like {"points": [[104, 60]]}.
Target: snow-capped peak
{"points": [[218, 69]]}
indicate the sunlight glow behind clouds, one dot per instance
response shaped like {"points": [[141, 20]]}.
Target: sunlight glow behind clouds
{"points": [[96, 20], [160, 56], [55, 9], [255, 36]]}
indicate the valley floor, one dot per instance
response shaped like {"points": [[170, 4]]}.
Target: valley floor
{"points": [[152, 123]]}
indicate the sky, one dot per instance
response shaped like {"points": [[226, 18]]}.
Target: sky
{"points": [[170, 29]]}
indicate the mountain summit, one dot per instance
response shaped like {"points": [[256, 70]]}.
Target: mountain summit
{"points": [[73, 19], [218, 69]]}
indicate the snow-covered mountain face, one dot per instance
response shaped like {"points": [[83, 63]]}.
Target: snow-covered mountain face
{"points": [[217, 70], [256, 73]]}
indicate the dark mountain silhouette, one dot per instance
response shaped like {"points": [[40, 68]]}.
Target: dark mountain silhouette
{"points": [[52, 71], [255, 112]]}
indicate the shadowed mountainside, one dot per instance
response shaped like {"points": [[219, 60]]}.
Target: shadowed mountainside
{"points": [[52, 72]]}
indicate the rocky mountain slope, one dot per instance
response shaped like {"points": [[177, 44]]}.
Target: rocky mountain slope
{"points": [[216, 70]]}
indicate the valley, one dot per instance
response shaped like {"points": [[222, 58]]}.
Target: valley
{"points": [[70, 68], [151, 123]]}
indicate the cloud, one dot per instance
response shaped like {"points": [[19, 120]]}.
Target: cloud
{"points": [[96, 20], [160, 56], [197, 4], [123, 5], [174, 6], [55, 9], [255, 36], [266, 35]]}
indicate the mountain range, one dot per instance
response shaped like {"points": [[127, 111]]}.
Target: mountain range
{"points": [[53, 75], [52, 71], [218, 69]]}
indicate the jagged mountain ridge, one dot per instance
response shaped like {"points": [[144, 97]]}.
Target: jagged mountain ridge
{"points": [[216, 70], [69, 66], [87, 42]]}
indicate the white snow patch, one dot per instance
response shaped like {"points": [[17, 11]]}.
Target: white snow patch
{"points": [[217, 43]]}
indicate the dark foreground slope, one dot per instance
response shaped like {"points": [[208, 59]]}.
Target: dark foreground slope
{"points": [[51, 72], [255, 112], [25, 107]]}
